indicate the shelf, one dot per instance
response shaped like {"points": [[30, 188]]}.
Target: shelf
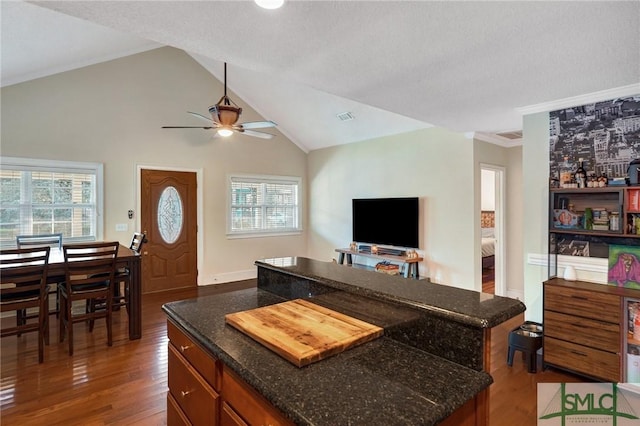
{"points": [[410, 271]]}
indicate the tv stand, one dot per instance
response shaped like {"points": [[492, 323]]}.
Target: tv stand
{"points": [[411, 271]]}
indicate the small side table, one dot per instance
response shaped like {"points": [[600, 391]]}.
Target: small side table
{"points": [[523, 339]]}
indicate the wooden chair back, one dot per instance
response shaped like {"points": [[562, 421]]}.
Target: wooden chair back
{"points": [[39, 240], [23, 285], [89, 264]]}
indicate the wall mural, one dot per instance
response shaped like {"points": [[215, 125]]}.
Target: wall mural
{"points": [[606, 135]]}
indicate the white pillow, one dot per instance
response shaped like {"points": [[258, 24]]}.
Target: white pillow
{"points": [[487, 232]]}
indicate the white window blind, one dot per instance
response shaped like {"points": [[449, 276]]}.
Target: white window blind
{"points": [[263, 205], [43, 197]]}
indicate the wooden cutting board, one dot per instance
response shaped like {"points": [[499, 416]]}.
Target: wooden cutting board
{"points": [[303, 332]]}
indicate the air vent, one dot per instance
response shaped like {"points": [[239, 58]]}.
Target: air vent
{"points": [[345, 116], [511, 135]]}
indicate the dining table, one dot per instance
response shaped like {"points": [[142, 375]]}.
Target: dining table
{"points": [[126, 258]]}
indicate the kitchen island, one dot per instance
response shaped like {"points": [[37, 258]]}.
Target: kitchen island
{"points": [[410, 376]]}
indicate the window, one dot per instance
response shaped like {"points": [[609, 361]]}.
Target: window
{"points": [[44, 196], [263, 205]]}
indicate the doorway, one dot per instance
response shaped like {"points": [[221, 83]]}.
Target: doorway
{"points": [[493, 228], [169, 218]]}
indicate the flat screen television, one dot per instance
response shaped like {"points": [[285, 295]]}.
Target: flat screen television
{"points": [[386, 221]]}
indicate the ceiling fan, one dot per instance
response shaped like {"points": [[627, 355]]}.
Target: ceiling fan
{"points": [[224, 117]]}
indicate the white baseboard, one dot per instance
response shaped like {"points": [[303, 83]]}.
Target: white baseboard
{"points": [[228, 277]]}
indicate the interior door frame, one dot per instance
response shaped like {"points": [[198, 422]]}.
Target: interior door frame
{"points": [[199, 210], [500, 230]]}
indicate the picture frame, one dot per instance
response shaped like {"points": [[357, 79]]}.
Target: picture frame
{"points": [[624, 266]]}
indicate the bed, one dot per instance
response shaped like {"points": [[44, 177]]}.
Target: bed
{"points": [[488, 239]]}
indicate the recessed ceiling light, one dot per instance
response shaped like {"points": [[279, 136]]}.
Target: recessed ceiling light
{"points": [[269, 4]]}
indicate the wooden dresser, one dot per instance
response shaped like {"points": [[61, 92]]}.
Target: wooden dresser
{"points": [[584, 328]]}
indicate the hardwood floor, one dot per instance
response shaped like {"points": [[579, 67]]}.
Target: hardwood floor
{"points": [[127, 383]]}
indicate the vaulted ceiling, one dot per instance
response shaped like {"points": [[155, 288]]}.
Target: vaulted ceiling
{"points": [[396, 66]]}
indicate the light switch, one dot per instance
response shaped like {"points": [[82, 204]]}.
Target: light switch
{"points": [[122, 227]]}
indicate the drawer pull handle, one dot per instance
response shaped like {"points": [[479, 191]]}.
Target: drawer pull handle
{"points": [[186, 393], [578, 353], [184, 348], [573, 296]]}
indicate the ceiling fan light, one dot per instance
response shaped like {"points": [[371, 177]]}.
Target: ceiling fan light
{"points": [[224, 132], [269, 4]]}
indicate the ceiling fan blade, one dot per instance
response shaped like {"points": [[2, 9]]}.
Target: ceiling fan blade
{"points": [[256, 134], [258, 124], [188, 127], [204, 117]]}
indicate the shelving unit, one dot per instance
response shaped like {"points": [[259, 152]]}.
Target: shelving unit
{"points": [[409, 265], [569, 232], [583, 322]]}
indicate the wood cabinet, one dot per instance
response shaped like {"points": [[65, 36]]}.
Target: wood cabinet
{"points": [[202, 391], [583, 329], [193, 396], [242, 405]]}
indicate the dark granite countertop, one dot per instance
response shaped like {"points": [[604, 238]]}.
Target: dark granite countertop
{"points": [[464, 306], [382, 382]]}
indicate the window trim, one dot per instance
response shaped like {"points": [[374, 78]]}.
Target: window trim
{"points": [[57, 166], [262, 179]]}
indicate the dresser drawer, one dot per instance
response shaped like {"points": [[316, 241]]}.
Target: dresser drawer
{"points": [[198, 358], [588, 304], [175, 416], [249, 404], [582, 331], [581, 359], [194, 396]]}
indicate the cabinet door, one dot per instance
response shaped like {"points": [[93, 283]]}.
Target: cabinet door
{"points": [[228, 417], [194, 396], [201, 361], [175, 416], [249, 404]]}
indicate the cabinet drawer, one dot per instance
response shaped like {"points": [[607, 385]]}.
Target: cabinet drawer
{"points": [[249, 404], [228, 417], [588, 304], [582, 331], [194, 396], [589, 361], [198, 358], [175, 416]]}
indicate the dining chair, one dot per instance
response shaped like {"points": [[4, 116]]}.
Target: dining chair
{"points": [[41, 240], [89, 274], [122, 277], [23, 285]]}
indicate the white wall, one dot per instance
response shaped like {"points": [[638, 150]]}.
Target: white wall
{"points": [[535, 172], [433, 164], [112, 113]]}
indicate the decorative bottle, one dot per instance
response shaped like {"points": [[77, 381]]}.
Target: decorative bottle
{"points": [[581, 175]]}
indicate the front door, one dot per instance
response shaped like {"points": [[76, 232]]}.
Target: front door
{"points": [[169, 220]]}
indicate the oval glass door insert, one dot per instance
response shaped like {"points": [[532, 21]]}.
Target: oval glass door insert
{"points": [[170, 215]]}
